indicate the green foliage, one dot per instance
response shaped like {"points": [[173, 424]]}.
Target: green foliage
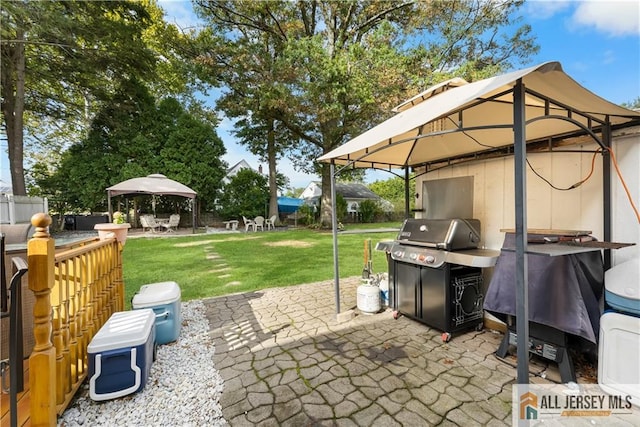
{"points": [[62, 59], [369, 210], [341, 207], [316, 74], [632, 105], [293, 192], [134, 137], [393, 191], [306, 215], [247, 194]]}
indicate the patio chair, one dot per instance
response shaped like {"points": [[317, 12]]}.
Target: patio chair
{"points": [[258, 223], [149, 223], [248, 223], [271, 222], [172, 224]]}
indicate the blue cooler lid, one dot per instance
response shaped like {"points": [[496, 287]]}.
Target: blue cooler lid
{"points": [[123, 329], [155, 294]]}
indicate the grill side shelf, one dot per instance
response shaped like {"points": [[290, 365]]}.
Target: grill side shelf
{"points": [[482, 258]]}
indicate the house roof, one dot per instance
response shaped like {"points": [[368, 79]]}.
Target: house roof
{"points": [[5, 187], [351, 190], [354, 190], [242, 164]]}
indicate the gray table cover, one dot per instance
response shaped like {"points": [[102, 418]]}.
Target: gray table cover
{"points": [[564, 291]]}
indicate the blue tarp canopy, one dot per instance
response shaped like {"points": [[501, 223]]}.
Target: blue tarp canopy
{"points": [[289, 204]]}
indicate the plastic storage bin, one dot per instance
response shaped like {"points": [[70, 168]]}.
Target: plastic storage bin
{"points": [[120, 354], [164, 299], [619, 355], [622, 287]]}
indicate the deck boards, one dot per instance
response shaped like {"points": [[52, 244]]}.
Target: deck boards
{"points": [[24, 402]]}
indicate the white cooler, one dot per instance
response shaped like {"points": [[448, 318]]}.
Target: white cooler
{"points": [[622, 287], [619, 355], [164, 299], [120, 354]]}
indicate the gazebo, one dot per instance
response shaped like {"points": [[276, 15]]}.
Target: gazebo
{"points": [[154, 184], [451, 123]]}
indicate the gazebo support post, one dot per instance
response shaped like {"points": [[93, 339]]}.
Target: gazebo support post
{"points": [[193, 215], [606, 192], [109, 205], [522, 270], [334, 226], [406, 192]]}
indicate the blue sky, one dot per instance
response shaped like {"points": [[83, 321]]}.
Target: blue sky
{"points": [[597, 43]]}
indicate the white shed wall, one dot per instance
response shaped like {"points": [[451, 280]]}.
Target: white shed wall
{"points": [[577, 209], [625, 226]]}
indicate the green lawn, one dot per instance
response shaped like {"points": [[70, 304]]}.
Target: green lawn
{"points": [[208, 265]]}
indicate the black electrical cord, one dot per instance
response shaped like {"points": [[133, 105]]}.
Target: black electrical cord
{"points": [[579, 183], [576, 185]]}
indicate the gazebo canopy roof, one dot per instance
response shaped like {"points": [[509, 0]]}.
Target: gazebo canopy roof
{"points": [[152, 184], [456, 119]]}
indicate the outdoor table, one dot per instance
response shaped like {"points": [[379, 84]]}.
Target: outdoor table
{"points": [[233, 224]]}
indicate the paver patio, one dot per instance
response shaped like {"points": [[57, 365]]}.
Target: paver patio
{"points": [[286, 361]]}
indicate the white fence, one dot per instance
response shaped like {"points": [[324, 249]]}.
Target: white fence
{"points": [[20, 209]]}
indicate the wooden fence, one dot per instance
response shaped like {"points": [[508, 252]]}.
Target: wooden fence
{"points": [[76, 291]]}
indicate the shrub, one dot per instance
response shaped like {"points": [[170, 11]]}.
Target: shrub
{"points": [[306, 215], [369, 209], [341, 207], [246, 194]]}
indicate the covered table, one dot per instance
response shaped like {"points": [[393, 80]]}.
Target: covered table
{"points": [[565, 286]]}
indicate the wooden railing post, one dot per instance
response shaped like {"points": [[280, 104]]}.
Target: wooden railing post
{"points": [[42, 362]]}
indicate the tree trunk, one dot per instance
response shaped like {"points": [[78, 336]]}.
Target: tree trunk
{"points": [[271, 159], [325, 203], [13, 78]]}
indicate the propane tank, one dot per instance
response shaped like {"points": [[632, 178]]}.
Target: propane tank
{"points": [[368, 298]]}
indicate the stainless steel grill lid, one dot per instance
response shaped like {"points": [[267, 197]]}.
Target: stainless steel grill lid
{"points": [[448, 234]]}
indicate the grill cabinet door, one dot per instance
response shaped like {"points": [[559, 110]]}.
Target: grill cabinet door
{"points": [[436, 297], [407, 284]]}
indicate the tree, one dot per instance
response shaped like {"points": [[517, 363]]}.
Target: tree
{"points": [[369, 210], [133, 136], [247, 99], [246, 194], [58, 58], [330, 70], [294, 192], [393, 190], [632, 105]]}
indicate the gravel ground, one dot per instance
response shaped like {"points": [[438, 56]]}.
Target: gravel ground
{"points": [[183, 389]]}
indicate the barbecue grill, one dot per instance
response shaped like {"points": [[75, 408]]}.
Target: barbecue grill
{"points": [[435, 272]]}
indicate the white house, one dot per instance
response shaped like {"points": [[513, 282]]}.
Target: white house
{"points": [[233, 170]]}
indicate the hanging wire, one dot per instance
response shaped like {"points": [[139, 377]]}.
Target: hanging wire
{"points": [[579, 183], [624, 184]]}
